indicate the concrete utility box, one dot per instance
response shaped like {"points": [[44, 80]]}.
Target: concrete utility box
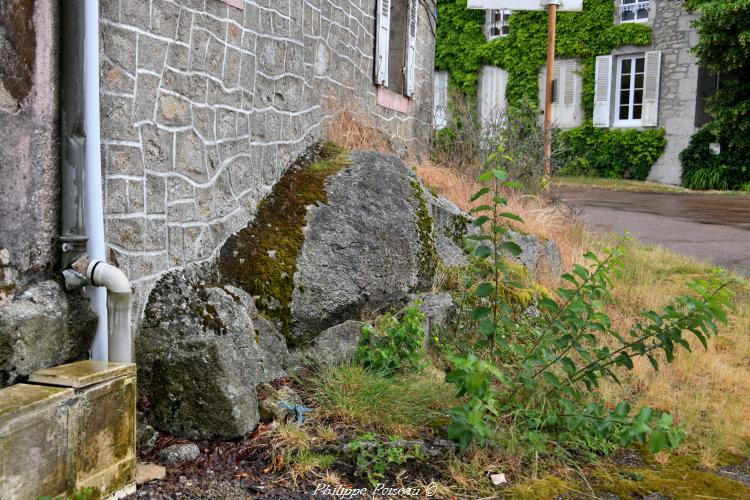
{"points": [[34, 422], [76, 429]]}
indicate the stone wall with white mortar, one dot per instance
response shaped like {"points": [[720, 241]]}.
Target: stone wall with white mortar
{"points": [[205, 105], [674, 36]]}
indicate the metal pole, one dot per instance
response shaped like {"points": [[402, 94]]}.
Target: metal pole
{"points": [[551, 27]]}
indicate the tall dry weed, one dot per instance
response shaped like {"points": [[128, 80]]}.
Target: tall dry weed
{"points": [[553, 221], [357, 133]]}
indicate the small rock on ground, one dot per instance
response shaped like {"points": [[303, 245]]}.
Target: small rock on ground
{"points": [[177, 453], [146, 471], [739, 472]]}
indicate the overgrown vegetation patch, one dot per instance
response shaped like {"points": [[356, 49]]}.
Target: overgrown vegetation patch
{"points": [[462, 49]]}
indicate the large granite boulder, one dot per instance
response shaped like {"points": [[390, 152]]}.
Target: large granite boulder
{"points": [[438, 309], [451, 225], [202, 349], [362, 240], [334, 346], [537, 254]]}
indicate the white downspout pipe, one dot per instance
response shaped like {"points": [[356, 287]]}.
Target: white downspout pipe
{"points": [[113, 340], [94, 213]]}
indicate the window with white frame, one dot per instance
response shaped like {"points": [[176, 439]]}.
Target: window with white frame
{"points": [[634, 11], [634, 80], [396, 42], [497, 23], [629, 93]]}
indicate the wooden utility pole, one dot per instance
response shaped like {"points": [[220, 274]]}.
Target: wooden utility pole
{"points": [[552, 6], [551, 28]]}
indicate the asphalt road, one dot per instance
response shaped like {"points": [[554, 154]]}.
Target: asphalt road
{"points": [[708, 227]]}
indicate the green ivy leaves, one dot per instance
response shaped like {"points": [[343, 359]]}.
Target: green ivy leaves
{"points": [[462, 48]]}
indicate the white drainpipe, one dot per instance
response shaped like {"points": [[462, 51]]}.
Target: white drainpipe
{"points": [[119, 340], [112, 305]]}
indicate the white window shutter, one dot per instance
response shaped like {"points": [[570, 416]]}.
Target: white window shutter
{"points": [[568, 95], [440, 99], [602, 91], [651, 89], [411, 46], [492, 84], [381, 41]]}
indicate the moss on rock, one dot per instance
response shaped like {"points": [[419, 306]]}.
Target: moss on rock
{"points": [[262, 258], [679, 477], [428, 257]]}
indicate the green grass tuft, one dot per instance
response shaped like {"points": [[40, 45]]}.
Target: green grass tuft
{"points": [[407, 405]]}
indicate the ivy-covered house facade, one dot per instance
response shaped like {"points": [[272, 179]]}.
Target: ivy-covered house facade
{"points": [[628, 92]]}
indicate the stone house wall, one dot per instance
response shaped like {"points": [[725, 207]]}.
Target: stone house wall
{"points": [[29, 157], [673, 36], [40, 324], [678, 93], [204, 106]]}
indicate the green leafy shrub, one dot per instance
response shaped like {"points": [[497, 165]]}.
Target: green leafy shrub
{"points": [[616, 153], [374, 458], [701, 169], [396, 345], [538, 375], [723, 49]]}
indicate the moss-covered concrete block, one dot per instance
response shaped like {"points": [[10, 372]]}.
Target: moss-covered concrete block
{"points": [[103, 430], [34, 441], [76, 431]]}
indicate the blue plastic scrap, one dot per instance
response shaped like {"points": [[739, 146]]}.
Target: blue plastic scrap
{"points": [[299, 410]]}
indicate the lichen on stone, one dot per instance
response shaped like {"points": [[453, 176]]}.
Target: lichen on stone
{"points": [[428, 254], [262, 258]]}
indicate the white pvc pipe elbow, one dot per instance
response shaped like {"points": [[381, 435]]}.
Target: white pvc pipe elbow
{"points": [[119, 337], [110, 277]]}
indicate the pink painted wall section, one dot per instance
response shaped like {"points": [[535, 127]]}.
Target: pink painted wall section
{"points": [[392, 100], [237, 4]]}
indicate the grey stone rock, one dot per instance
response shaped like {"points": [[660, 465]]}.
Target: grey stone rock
{"points": [[450, 226], [43, 327], [537, 254], [362, 249], [438, 309], [177, 453], [202, 350], [145, 435], [334, 346], [449, 253]]}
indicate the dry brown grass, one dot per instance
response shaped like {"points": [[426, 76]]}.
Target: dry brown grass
{"points": [[707, 391], [353, 133], [550, 221]]}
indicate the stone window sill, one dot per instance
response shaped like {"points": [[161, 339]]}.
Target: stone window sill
{"points": [[392, 100]]}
